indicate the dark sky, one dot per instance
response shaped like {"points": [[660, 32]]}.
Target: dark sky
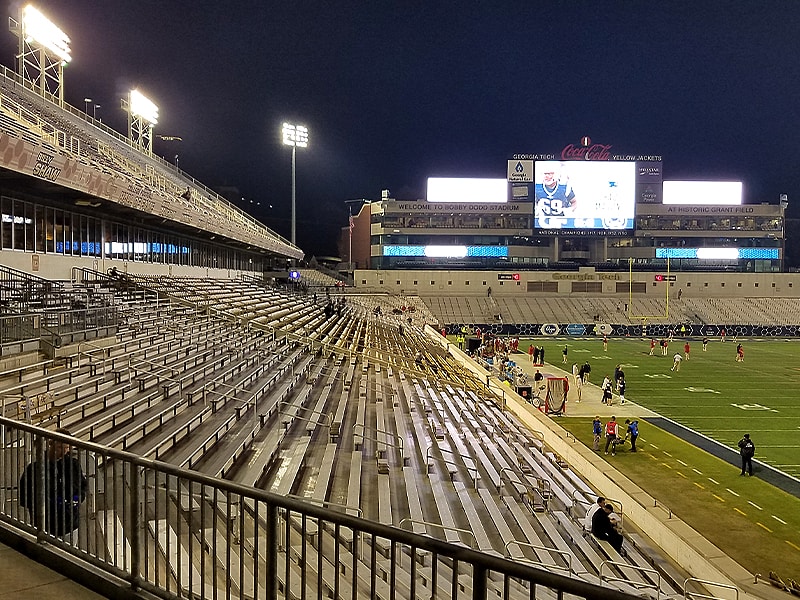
{"points": [[395, 92]]}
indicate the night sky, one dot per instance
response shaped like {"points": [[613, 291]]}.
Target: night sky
{"points": [[395, 92]]}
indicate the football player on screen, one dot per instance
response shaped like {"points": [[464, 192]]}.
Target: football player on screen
{"points": [[555, 198]]}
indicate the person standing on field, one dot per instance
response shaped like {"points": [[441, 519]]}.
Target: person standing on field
{"points": [[597, 431], [747, 450], [676, 362]]}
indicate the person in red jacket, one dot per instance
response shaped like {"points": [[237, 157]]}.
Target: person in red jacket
{"points": [[612, 431]]}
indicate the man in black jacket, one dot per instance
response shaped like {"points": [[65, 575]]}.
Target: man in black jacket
{"points": [[747, 449], [64, 489], [603, 528]]}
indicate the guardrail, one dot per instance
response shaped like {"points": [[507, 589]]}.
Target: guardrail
{"points": [[175, 533]]}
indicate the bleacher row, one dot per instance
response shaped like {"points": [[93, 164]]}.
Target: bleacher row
{"points": [[521, 310], [217, 378], [26, 115]]}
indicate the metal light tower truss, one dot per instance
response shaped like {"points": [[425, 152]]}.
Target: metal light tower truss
{"points": [[43, 52], [142, 119]]}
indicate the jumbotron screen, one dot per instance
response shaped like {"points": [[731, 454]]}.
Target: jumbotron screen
{"points": [[584, 196]]}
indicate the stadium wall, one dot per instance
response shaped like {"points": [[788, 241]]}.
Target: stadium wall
{"points": [[584, 282]]}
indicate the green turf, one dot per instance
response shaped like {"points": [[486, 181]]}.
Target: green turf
{"points": [[752, 521]]}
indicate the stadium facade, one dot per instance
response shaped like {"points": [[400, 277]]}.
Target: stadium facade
{"points": [[75, 193], [620, 218]]}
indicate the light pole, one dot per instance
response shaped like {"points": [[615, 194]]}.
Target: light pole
{"points": [[86, 101], [94, 111], [294, 136]]}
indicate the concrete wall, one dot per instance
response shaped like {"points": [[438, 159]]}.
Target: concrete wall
{"points": [[467, 283]]}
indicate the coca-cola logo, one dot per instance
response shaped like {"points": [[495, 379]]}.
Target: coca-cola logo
{"points": [[593, 152]]}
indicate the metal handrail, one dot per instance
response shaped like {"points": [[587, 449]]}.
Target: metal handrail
{"points": [[608, 563], [439, 526], [563, 553], [692, 595]]}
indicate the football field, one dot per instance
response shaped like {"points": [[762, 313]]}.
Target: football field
{"points": [[752, 520], [712, 393]]}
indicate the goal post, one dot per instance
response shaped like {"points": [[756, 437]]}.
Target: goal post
{"points": [[644, 318]]}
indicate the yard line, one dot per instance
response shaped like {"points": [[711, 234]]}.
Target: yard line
{"points": [[764, 526], [720, 498], [666, 465], [654, 446], [779, 520], [741, 512], [697, 471], [667, 453], [700, 485], [680, 461], [732, 492], [755, 505], [713, 481], [795, 546]]}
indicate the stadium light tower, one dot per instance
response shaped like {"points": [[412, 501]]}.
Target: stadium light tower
{"points": [[294, 136], [43, 52], [142, 118]]}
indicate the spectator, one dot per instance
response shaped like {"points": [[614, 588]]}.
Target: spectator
{"points": [[587, 521], [603, 528], [65, 489]]}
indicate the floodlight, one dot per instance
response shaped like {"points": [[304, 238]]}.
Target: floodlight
{"points": [[142, 107], [295, 135], [38, 28]]}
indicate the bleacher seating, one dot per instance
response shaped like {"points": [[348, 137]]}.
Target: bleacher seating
{"points": [[208, 377]]}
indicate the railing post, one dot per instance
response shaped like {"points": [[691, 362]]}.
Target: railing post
{"points": [[271, 552], [478, 583], [136, 525]]}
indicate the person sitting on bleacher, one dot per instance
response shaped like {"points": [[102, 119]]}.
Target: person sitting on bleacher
{"points": [[603, 528], [587, 522]]}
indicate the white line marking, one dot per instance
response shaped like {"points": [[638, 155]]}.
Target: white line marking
{"points": [[713, 481], [732, 492], [698, 472], [754, 505], [680, 461], [779, 520]]}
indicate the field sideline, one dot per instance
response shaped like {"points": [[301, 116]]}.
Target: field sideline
{"points": [[712, 393], [754, 522]]}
